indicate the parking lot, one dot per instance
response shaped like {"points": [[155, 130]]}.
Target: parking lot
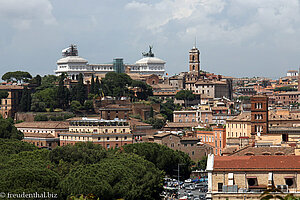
{"points": [[190, 190]]}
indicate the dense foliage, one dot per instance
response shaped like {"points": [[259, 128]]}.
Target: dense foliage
{"points": [[17, 76], [124, 176], [285, 89], [8, 130], [120, 84], [3, 94], [163, 157], [186, 95], [81, 169]]}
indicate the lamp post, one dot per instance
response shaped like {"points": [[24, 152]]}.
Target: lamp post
{"points": [[178, 178]]}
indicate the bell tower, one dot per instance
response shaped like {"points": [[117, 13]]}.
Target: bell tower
{"points": [[194, 60]]}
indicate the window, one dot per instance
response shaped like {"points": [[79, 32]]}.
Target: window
{"points": [[107, 138], [125, 137], [117, 145], [252, 181], [289, 181], [117, 138], [193, 153], [220, 187], [107, 146]]}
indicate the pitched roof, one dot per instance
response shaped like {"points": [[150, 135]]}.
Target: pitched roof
{"points": [[257, 163], [180, 124], [45, 125]]}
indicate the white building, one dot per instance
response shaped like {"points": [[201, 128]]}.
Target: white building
{"points": [[292, 73], [73, 65], [149, 65]]}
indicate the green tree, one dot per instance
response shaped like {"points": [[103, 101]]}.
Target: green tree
{"points": [[167, 109], [119, 176], [285, 89], [97, 86], [37, 105], [144, 91], [201, 164], [48, 81], [116, 84], [25, 103], [151, 112], [62, 93], [66, 157], [41, 118], [89, 105], [92, 89], [17, 76], [79, 92], [275, 193], [48, 96], [8, 130], [76, 106], [28, 171], [186, 95], [3, 94], [36, 81], [163, 157]]}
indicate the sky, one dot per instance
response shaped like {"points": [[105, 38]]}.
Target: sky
{"points": [[240, 38]]}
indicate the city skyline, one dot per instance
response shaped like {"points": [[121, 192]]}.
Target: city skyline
{"points": [[235, 38]]}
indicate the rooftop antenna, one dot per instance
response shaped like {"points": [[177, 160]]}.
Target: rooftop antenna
{"points": [[195, 44]]}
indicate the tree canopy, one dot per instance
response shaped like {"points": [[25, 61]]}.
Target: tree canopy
{"points": [[3, 95], [17, 76], [124, 176], [84, 168], [8, 130], [186, 95], [163, 157]]}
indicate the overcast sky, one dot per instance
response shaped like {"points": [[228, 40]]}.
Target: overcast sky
{"points": [[236, 37]]}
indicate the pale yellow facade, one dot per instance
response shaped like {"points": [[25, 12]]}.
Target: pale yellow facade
{"points": [[236, 129]]}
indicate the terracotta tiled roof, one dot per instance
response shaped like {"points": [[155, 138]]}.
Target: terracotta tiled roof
{"points": [[46, 125], [273, 116], [39, 135], [189, 138], [9, 87], [219, 108], [264, 150], [257, 163], [164, 134], [180, 124]]}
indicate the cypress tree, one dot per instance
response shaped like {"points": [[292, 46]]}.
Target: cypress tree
{"points": [[25, 102], [92, 85], [97, 86], [81, 94], [61, 92]]}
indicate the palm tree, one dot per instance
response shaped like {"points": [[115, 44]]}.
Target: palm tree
{"points": [[268, 195]]}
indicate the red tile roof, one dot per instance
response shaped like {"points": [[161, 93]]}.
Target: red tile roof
{"points": [[257, 163]]}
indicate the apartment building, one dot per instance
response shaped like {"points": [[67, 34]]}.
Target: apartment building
{"points": [[108, 133], [43, 134], [215, 138], [247, 177], [10, 105]]}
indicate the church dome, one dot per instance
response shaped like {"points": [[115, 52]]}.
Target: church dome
{"points": [[150, 60], [72, 59]]}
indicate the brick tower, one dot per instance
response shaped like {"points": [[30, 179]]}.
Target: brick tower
{"points": [[194, 60], [259, 115]]}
